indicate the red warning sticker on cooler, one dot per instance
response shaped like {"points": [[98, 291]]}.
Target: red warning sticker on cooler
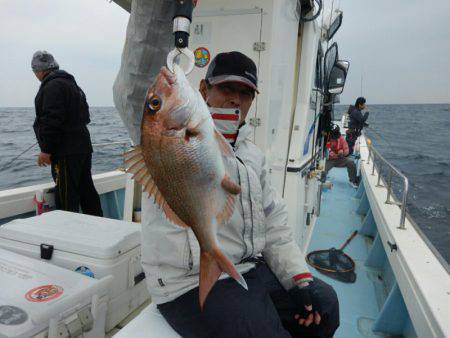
{"points": [[44, 293]]}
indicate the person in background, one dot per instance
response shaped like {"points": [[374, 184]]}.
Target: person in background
{"points": [[357, 122], [338, 149], [62, 115]]}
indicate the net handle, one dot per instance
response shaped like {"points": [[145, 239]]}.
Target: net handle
{"points": [[349, 240]]}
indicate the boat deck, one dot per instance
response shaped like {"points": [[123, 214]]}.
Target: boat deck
{"points": [[338, 219]]}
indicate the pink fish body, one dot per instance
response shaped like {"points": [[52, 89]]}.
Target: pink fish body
{"points": [[180, 162]]}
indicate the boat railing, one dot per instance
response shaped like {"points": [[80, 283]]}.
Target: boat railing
{"points": [[382, 162], [106, 144], [124, 143]]}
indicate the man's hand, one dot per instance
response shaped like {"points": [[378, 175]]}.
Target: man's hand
{"points": [[43, 159], [306, 314]]}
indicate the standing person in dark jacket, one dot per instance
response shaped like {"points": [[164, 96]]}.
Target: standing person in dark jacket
{"points": [[357, 122], [62, 115]]}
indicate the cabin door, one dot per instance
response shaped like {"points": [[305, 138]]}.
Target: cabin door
{"points": [[221, 30]]}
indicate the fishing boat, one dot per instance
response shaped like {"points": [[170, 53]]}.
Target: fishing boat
{"points": [[402, 284]]}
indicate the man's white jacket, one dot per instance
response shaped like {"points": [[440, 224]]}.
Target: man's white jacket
{"points": [[171, 254]]}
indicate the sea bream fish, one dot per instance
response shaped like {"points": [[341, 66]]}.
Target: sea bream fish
{"points": [[181, 163]]}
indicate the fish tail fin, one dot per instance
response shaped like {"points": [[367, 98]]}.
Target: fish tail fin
{"points": [[211, 266]]}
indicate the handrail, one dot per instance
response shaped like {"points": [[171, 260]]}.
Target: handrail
{"points": [[376, 155], [106, 144], [304, 165]]}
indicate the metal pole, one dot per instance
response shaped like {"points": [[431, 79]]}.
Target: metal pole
{"points": [[388, 199], [403, 214], [379, 174], [373, 166]]}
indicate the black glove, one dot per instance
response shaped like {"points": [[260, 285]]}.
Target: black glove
{"points": [[308, 312]]}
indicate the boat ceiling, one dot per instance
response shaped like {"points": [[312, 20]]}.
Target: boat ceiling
{"points": [[126, 4]]}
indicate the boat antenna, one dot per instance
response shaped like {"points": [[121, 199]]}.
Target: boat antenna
{"points": [[7, 165]]}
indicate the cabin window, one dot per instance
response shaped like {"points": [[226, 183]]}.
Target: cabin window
{"points": [[318, 79]]}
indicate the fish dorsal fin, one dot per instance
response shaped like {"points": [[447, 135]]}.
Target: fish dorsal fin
{"points": [[135, 164], [224, 146]]}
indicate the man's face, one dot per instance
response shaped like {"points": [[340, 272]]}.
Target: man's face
{"points": [[228, 95], [40, 74], [362, 106]]}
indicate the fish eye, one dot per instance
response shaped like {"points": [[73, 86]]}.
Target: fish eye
{"points": [[154, 103]]}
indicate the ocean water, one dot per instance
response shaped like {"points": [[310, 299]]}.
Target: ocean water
{"points": [[413, 137], [16, 135]]}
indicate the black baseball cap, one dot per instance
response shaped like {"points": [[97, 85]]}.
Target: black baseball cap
{"points": [[232, 67]]}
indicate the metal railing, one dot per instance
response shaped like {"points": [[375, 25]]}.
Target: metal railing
{"points": [[388, 183], [124, 143]]}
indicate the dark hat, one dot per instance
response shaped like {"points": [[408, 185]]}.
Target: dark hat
{"points": [[232, 67], [335, 131], [43, 60]]}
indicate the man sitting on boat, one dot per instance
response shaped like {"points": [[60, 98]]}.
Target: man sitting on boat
{"points": [[357, 122], [338, 150], [283, 299]]}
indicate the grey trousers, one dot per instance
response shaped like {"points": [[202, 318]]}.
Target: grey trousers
{"points": [[341, 163]]}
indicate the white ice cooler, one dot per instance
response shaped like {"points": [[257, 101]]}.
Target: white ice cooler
{"points": [[41, 300], [98, 246]]}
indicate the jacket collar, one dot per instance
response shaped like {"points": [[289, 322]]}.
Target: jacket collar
{"points": [[243, 134]]}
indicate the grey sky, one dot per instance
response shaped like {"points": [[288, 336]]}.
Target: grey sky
{"points": [[85, 36], [402, 48]]}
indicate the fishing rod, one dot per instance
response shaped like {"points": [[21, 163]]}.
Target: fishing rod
{"points": [[7, 165]]}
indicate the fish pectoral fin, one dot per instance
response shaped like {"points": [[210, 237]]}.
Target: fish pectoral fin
{"points": [[229, 186], [224, 146], [211, 266]]}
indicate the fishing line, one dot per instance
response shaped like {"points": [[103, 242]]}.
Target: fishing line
{"points": [[379, 137], [17, 157]]}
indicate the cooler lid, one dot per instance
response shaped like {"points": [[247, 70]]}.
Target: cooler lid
{"points": [[32, 292], [81, 234]]}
